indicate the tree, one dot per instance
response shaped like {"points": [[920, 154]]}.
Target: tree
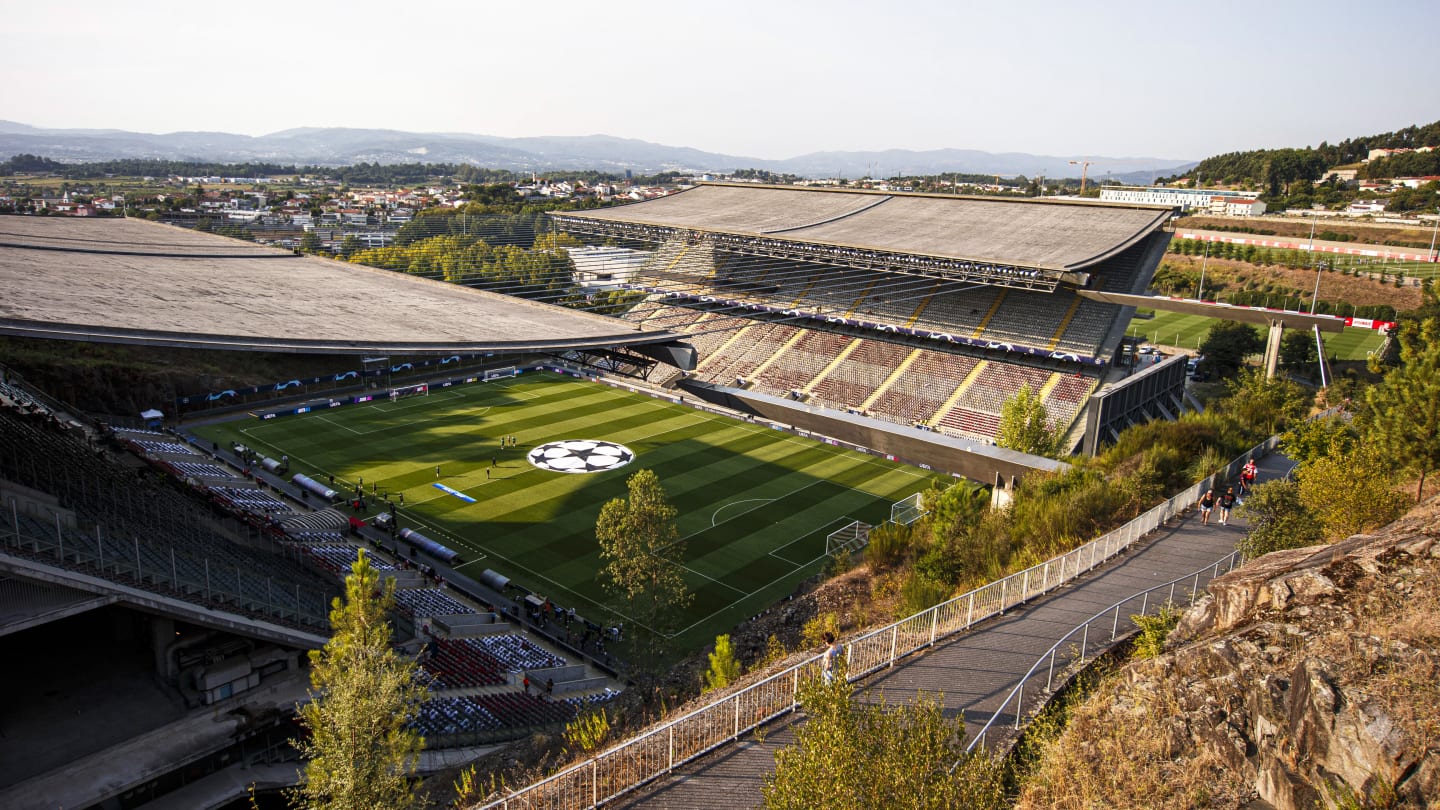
{"points": [[1025, 426], [360, 752], [724, 669], [1278, 520], [644, 559], [855, 757], [1313, 439], [1352, 493], [310, 242], [1403, 418], [1264, 405], [1227, 345], [1298, 352]]}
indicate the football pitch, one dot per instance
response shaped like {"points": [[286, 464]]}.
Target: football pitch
{"points": [[755, 504], [1189, 331]]}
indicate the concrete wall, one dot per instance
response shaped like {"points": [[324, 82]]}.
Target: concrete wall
{"points": [[923, 448]]}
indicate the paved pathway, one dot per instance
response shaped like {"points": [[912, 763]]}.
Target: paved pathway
{"points": [[974, 671]]}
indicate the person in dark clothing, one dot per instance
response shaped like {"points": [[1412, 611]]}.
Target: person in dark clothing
{"points": [[1227, 502], [1206, 503], [1247, 477]]}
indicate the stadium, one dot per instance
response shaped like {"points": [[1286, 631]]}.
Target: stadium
{"points": [[796, 365]]}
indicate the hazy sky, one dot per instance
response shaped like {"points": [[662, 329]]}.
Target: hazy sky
{"points": [[759, 79]]}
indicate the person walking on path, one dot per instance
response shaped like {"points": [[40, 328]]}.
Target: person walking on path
{"points": [[1207, 503], [1247, 477], [832, 656], [1227, 502]]}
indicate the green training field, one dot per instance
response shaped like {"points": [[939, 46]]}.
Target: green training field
{"points": [[1189, 331], [755, 504]]}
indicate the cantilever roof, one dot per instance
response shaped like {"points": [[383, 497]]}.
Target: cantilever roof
{"points": [[1040, 234], [131, 281]]}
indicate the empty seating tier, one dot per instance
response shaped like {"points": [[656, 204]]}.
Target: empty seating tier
{"points": [[919, 393], [850, 384], [141, 533]]}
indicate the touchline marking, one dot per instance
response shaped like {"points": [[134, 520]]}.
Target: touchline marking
{"points": [[720, 610], [833, 450], [714, 580], [323, 418]]}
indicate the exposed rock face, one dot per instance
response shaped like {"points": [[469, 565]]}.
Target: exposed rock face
{"points": [[1315, 673]]}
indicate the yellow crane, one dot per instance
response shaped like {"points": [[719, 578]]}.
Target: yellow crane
{"points": [[1084, 171]]}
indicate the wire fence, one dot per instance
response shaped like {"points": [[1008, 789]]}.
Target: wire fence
{"points": [[657, 752]]}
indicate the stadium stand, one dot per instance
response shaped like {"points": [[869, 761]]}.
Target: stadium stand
{"points": [[792, 367], [424, 602], [483, 660], [808, 345], [917, 394], [864, 370], [451, 721], [136, 531]]}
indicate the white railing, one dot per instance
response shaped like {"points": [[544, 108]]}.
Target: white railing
{"points": [[1080, 649], [655, 753]]}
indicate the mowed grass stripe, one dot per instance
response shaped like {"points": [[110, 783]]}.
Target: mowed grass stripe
{"points": [[765, 491]]}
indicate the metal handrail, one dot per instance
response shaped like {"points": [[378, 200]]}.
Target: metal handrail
{"points": [[648, 756], [1018, 693]]}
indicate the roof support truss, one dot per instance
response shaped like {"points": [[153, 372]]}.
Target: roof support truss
{"points": [[947, 269]]}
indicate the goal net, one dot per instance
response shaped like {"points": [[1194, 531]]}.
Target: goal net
{"points": [[850, 538], [907, 511], [501, 373]]}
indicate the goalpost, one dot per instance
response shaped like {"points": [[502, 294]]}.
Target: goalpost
{"points": [[907, 511], [848, 539], [500, 373]]}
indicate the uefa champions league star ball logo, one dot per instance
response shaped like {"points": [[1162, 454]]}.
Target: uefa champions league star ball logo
{"points": [[580, 456]]}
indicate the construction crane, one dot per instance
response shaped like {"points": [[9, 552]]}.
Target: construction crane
{"points": [[1084, 172]]}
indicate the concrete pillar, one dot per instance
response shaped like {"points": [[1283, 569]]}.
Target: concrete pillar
{"points": [[1272, 348], [162, 635], [1002, 494]]}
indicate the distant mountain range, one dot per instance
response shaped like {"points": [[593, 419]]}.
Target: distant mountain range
{"points": [[340, 147]]}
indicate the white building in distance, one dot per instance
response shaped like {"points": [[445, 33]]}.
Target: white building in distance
{"points": [[1186, 199]]}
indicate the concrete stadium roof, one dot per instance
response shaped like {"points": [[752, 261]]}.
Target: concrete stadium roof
{"points": [[1041, 234], [1229, 312], [132, 281]]}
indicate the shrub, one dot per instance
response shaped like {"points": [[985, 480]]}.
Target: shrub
{"points": [[889, 544], [1278, 520], [920, 592], [1154, 630], [813, 634]]}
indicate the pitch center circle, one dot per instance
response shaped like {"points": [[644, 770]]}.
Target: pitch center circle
{"points": [[580, 456]]}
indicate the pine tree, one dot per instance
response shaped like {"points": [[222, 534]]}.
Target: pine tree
{"points": [[1404, 410], [724, 669], [360, 752]]}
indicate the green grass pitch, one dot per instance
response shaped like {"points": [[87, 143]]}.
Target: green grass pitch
{"points": [[755, 504], [1189, 331]]}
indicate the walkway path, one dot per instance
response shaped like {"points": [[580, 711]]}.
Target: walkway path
{"points": [[974, 671]]}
